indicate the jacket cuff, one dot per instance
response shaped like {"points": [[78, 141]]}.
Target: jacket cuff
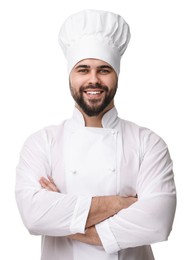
{"points": [[80, 215], [107, 238]]}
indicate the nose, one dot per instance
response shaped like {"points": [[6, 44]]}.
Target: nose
{"points": [[93, 78]]}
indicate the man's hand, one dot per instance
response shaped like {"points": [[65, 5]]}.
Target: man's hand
{"points": [[48, 184], [90, 237]]}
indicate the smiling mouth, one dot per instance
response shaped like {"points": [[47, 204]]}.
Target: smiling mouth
{"points": [[94, 92]]}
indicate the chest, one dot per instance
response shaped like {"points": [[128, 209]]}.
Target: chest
{"points": [[93, 161]]}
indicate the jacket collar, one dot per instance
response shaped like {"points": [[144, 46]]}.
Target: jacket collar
{"points": [[109, 119]]}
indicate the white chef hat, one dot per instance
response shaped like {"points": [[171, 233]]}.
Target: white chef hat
{"points": [[94, 34]]}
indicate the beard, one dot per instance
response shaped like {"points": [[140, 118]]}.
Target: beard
{"points": [[93, 107]]}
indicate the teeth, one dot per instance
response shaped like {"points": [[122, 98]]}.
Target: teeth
{"points": [[93, 92]]}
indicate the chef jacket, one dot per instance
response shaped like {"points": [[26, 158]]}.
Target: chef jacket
{"points": [[119, 159]]}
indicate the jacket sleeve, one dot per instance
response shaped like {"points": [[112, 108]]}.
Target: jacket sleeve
{"points": [[150, 219], [44, 212]]}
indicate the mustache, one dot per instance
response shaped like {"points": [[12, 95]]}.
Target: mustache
{"points": [[96, 86]]}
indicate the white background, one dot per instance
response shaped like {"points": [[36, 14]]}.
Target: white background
{"points": [[153, 92]]}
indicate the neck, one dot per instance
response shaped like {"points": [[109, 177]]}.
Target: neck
{"points": [[95, 121]]}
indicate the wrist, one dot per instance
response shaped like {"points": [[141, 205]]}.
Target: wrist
{"points": [[92, 237]]}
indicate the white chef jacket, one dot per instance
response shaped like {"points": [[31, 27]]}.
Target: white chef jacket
{"points": [[119, 159]]}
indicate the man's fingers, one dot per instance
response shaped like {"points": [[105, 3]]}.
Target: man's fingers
{"points": [[51, 180], [48, 184]]}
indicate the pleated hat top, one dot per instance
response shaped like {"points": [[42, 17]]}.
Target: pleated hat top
{"points": [[94, 34]]}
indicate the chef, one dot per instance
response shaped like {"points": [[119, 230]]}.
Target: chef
{"points": [[96, 186]]}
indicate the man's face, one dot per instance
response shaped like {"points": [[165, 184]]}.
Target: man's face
{"points": [[93, 84]]}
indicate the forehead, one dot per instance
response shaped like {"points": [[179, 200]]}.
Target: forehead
{"points": [[92, 63]]}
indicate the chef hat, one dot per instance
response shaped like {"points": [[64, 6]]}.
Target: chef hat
{"points": [[94, 34]]}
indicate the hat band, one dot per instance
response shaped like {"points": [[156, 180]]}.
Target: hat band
{"points": [[91, 48]]}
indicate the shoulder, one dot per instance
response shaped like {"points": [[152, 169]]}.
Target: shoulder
{"points": [[145, 142], [46, 135], [141, 134]]}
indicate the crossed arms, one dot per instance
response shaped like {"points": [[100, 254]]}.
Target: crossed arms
{"points": [[124, 220], [102, 207]]}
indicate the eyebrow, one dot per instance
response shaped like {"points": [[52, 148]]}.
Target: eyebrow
{"points": [[99, 67], [82, 66], [105, 67]]}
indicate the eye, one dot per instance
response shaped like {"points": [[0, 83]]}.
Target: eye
{"points": [[83, 71], [104, 71]]}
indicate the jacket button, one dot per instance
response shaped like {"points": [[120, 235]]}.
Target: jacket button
{"points": [[74, 171], [112, 169], [113, 132]]}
